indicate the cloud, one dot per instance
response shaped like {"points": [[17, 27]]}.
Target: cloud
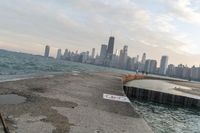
{"points": [[184, 10], [164, 23]]}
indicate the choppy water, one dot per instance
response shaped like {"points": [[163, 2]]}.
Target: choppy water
{"points": [[14, 65], [166, 119]]}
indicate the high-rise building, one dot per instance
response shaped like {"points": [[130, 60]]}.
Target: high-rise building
{"points": [[147, 66], [137, 58], [110, 46], [114, 61], [143, 58], [153, 66], [171, 70], [66, 53], [103, 51], [163, 65], [129, 63], [100, 59], [120, 59], [47, 51], [93, 53], [186, 72], [123, 57], [109, 52], [59, 54], [134, 64], [179, 71], [83, 57], [194, 74]]}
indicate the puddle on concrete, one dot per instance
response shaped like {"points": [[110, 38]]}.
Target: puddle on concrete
{"points": [[11, 99]]}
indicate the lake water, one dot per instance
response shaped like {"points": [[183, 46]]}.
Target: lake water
{"points": [[166, 119], [20, 65]]}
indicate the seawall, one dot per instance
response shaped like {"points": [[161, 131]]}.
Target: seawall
{"points": [[159, 95]]}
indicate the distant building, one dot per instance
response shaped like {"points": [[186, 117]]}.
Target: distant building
{"points": [[153, 66], [103, 50], [114, 61], [143, 58], [100, 59], [179, 71], [59, 54], [163, 65], [137, 58], [47, 51], [147, 66], [93, 53], [66, 53], [133, 64], [150, 66], [120, 59], [194, 73], [83, 57], [171, 70], [186, 72], [87, 54], [109, 52], [124, 57]]}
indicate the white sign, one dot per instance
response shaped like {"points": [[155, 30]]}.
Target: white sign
{"points": [[116, 98]]}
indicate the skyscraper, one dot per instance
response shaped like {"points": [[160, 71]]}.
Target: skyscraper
{"points": [[147, 66], [103, 51], [123, 57], [171, 70], [143, 58], [66, 53], [100, 59], [47, 51], [59, 54], [137, 58], [110, 47], [109, 52], [153, 66], [163, 65], [93, 53]]}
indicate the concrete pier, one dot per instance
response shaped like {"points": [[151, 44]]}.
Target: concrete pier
{"points": [[71, 103]]}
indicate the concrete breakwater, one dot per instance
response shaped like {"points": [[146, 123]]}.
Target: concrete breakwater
{"points": [[160, 92], [71, 103]]}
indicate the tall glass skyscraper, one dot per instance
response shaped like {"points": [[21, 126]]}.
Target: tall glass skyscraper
{"points": [[110, 50], [47, 51], [163, 65], [103, 51]]}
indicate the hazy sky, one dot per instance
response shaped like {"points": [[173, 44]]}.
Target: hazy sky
{"points": [[157, 27]]}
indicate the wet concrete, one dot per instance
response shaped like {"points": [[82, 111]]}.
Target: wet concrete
{"points": [[71, 103], [11, 99]]}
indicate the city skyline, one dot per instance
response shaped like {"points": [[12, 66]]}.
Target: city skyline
{"points": [[158, 27], [122, 60], [102, 52]]}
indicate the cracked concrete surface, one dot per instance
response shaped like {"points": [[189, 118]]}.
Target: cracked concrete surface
{"points": [[71, 103]]}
